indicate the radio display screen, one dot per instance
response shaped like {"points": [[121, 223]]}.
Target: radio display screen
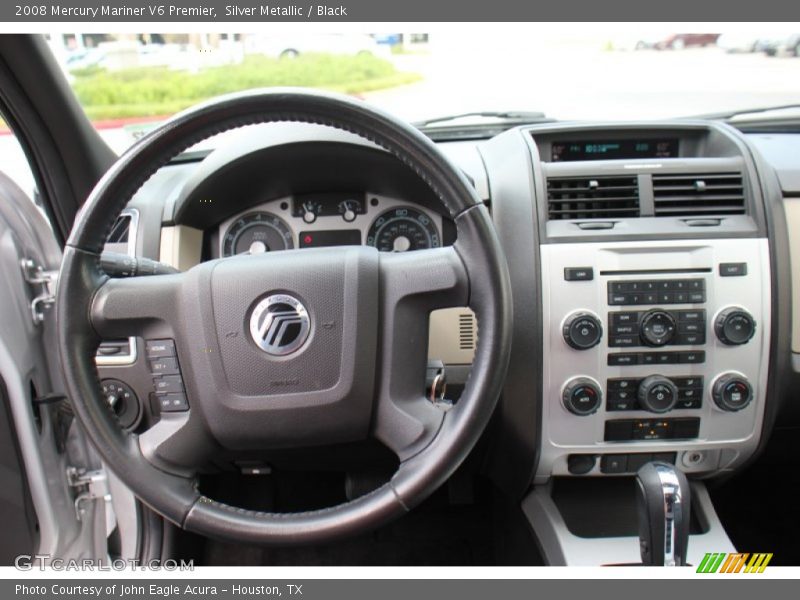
{"points": [[614, 149]]}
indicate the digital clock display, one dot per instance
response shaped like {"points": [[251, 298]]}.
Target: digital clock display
{"points": [[614, 149]]}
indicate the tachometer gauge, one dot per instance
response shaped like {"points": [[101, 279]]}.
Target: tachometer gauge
{"points": [[255, 233], [401, 229]]}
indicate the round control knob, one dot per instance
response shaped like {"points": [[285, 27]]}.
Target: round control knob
{"points": [[657, 328], [582, 396], [657, 394], [734, 326], [123, 402], [732, 392], [582, 330]]}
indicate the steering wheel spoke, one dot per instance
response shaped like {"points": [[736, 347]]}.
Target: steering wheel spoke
{"points": [[412, 285], [136, 306], [177, 443]]}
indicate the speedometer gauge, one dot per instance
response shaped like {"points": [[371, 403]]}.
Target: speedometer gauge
{"points": [[255, 233], [401, 229]]}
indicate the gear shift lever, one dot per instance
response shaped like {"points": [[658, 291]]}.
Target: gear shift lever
{"points": [[663, 504]]}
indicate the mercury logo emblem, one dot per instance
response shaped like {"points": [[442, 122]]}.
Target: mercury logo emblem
{"points": [[279, 324]]}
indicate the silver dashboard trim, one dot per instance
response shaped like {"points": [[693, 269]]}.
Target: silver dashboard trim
{"points": [[726, 439]]}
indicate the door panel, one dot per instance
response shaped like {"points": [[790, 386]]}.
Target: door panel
{"points": [[17, 517], [37, 511]]}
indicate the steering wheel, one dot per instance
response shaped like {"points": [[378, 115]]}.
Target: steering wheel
{"points": [[289, 349]]}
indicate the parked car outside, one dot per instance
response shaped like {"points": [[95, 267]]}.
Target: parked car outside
{"points": [[679, 41], [788, 45], [741, 42], [292, 46]]}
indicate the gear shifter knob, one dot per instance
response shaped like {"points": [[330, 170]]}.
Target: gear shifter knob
{"points": [[663, 504]]}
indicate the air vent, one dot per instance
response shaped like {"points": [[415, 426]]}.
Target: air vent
{"points": [[113, 347], [120, 231], [592, 197], [466, 331], [692, 195], [116, 352]]}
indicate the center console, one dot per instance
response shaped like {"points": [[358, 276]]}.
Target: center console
{"points": [[654, 280], [657, 351], [656, 298]]}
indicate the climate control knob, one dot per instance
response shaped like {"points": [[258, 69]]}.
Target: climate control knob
{"points": [[657, 328], [732, 392], [582, 330], [657, 394], [582, 396], [734, 326]]}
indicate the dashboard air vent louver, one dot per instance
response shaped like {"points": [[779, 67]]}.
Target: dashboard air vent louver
{"points": [[119, 233], [592, 197], [466, 331], [690, 195]]}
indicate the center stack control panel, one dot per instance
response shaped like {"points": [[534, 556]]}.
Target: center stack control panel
{"points": [[656, 350]]}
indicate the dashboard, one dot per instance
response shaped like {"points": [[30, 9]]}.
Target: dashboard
{"points": [[650, 269]]}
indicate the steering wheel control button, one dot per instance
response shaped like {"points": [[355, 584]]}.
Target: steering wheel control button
{"points": [[732, 392], [123, 402], [582, 396], [657, 394], [164, 366], [657, 328], [734, 326], [578, 274], [160, 348], [167, 380], [732, 269], [173, 403], [168, 384], [279, 324], [582, 330]]}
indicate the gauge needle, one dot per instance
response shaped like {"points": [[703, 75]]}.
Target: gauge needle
{"points": [[401, 244], [257, 248]]}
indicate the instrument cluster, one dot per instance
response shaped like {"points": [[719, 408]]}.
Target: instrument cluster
{"points": [[331, 219]]}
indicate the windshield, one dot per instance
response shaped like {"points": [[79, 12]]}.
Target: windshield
{"points": [[127, 82]]}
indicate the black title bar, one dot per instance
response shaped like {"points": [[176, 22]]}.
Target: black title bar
{"points": [[436, 11]]}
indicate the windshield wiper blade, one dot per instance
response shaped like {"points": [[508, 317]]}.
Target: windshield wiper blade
{"points": [[500, 115], [748, 111]]}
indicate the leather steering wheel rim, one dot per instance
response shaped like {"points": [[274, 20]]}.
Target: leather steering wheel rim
{"points": [[173, 494]]}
